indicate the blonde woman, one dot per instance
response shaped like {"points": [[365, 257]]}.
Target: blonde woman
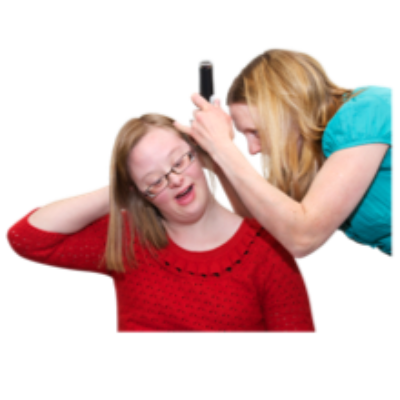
{"points": [[326, 152], [179, 260]]}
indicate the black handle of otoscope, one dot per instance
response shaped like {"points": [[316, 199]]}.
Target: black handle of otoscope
{"points": [[206, 77], [206, 80]]}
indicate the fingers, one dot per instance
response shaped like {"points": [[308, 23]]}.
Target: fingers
{"points": [[200, 102], [181, 126], [203, 104], [193, 112], [215, 100], [188, 130]]}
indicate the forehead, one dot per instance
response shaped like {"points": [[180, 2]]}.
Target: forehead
{"points": [[154, 149], [241, 116]]}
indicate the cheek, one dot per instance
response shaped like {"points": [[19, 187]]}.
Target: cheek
{"points": [[257, 143], [198, 173], [200, 178], [162, 199]]}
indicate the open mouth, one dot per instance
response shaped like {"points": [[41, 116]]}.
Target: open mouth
{"points": [[184, 193]]}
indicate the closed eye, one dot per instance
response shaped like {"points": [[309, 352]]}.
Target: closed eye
{"points": [[254, 133], [157, 182]]}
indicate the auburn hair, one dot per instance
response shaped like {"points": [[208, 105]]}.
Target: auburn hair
{"points": [[143, 218]]}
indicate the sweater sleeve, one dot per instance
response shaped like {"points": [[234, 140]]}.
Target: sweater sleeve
{"points": [[284, 295], [82, 250]]}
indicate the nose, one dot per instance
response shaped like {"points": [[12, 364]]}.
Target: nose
{"points": [[174, 179], [248, 152], [253, 145], [252, 151]]}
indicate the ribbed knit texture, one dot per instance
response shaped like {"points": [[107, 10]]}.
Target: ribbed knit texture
{"points": [[250, 283]]}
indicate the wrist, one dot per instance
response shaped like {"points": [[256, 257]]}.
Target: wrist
{"points": [[225, 154]]}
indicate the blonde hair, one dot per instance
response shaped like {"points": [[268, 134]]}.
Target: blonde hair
{"points": [[294, 101], [131, 213]]}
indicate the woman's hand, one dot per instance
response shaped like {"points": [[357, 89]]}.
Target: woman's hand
{"points": [[211, 128]]}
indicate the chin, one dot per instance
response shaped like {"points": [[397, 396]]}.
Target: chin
{"points": [[189, 217]]}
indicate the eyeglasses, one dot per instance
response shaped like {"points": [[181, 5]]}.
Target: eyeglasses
{"points": [[160, 184]]}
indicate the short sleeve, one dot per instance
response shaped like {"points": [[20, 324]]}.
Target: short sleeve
{"points": [[364, 119]]}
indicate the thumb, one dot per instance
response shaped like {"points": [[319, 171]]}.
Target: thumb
{"points": [[181, 126], [217, 103]]}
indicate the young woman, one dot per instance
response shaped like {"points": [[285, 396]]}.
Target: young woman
{"points": [[326, 151], [179, 260]]}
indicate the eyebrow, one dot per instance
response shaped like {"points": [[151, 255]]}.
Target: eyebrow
{"points": [[168, 155]]}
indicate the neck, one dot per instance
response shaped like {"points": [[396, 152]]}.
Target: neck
{"points": [[216, 226]]}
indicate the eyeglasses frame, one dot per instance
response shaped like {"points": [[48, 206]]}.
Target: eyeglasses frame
{"points": [[172, 170]]}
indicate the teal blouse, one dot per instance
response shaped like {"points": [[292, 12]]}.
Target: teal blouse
{"points": [[364, 119]]}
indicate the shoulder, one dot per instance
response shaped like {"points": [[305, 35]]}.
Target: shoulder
{"points": [[367, 101], [363, 119], [265, 242]]}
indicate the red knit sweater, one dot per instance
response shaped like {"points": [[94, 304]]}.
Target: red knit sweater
{"points": [[250, 283]]}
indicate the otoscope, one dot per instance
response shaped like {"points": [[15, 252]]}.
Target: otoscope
{"points": [[207, 87], [206, 79]]}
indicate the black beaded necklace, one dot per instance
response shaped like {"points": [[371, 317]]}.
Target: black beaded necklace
{"points": [[215, 274]]}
